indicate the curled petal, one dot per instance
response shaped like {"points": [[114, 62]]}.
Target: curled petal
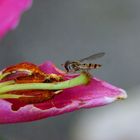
{"points": [[10, 12], [95, 93]]}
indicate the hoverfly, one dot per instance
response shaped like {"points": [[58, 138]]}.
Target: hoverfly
{"points": [[81, 65]]}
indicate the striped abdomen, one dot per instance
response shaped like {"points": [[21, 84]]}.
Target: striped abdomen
{"points": [[94, 66]]}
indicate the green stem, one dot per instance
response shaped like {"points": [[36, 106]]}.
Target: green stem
{"points": [[83, 78]]}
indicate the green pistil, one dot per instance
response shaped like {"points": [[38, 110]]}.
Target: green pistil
{"points": [[82, 79], [3, 75], [2, 84], [11, 96]]}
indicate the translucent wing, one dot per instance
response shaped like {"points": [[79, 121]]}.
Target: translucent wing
{"points": [[93, 57]]}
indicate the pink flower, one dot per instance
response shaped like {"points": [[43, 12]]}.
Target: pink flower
{"points": [[93, 94], [10, 12]]}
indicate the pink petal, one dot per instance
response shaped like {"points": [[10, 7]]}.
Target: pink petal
{"points": [[10, 12], [97, 93]]}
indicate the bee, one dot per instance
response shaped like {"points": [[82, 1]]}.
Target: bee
{"points": [[83, 64]]}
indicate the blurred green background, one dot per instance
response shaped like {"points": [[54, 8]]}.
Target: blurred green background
{"points": [[61, 30]]}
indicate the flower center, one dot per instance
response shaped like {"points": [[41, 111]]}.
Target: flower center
{"points": [[26, 83]]}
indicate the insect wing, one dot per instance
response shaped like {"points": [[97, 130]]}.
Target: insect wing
{"points": [[92, 57]]}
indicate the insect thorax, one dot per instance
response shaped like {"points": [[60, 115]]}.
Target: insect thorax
{"points": [[71, 66]]}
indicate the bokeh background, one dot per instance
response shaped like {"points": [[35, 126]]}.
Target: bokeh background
{"points": [[61, 30]]}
